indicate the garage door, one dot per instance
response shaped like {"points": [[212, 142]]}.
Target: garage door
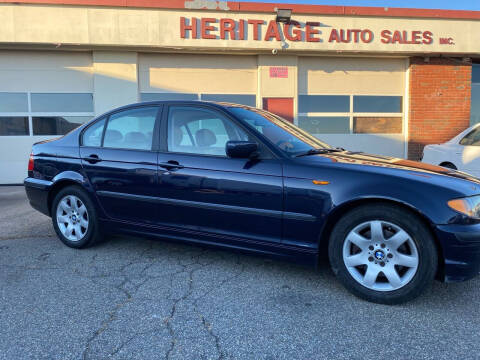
{"points": [[355, 103], [198, 77], [42, 95]]}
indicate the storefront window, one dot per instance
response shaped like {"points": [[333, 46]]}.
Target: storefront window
{"points": [[62, 102], [244, 99], [377, 104], [325, 124], [167, 96], [475, 103], [350, 114], [377, 125], [26, 114], [56, 125], [13, 102], [14, 125], [323, 103]]}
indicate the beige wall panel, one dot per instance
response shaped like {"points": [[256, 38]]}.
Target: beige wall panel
{"points": [[103, 26], [115, 79], [7, 29], [139, 25], [46, 71], [198, 73], [331, 75], [277, 87], [51, 24]]}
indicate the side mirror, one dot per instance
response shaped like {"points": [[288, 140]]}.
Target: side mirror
{"points": [[241, 149]]}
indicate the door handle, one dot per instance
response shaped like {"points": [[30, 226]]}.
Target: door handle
{"points": [[171, 165], [92, 159]]}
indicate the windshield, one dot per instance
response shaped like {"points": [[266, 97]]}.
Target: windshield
{"points": [[286, 136]]}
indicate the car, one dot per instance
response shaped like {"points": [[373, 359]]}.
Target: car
{"points": [[241, 178], [460, 153]]}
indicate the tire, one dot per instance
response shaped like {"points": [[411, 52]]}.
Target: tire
{"points": [[76, 225], [414, 262]]}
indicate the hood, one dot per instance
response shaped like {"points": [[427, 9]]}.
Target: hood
{"points": [[390, 163]]}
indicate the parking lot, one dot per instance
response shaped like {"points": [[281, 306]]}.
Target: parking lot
{"points": [[137, 298]]}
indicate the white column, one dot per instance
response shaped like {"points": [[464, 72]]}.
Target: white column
{"points": [[115, 79]]}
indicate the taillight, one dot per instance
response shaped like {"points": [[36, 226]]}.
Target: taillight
{"points": [[30, 162]]}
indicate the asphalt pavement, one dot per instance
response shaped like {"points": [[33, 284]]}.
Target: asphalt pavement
{"points": [[138, 298]]}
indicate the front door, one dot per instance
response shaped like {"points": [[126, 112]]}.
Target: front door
{"points": [[121, 165], [203, 190]]}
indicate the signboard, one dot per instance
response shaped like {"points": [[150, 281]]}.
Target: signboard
{"points": [[309, 31], [278, 72]]}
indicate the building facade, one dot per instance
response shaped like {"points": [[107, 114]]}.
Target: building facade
{"points": [[378, 80]]}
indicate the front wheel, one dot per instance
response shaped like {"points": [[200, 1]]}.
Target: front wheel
{"points": [[383, 254], [74, 218]]}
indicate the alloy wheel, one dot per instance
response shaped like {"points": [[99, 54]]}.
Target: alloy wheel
{"points": [[380, 256], [72, 218]]}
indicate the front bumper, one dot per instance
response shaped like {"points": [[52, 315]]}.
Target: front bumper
{"points": [[461, 251], [37, 192]]}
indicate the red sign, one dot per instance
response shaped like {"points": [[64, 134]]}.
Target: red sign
{"points": [[261, 30], [278, 72]]}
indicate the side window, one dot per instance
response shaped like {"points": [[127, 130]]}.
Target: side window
{"points": [[472, 138], [131, 129], [200, 131], [92, 136]]}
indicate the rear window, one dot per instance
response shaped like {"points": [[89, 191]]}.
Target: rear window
{"points": [[92, 136]]}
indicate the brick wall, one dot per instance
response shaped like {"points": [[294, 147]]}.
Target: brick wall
{"points": [[439, 105]]}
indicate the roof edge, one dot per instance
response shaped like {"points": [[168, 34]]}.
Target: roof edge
{"points": [[259, 7]]}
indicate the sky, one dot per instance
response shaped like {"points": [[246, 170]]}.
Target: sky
{"points": [[423, 4]]}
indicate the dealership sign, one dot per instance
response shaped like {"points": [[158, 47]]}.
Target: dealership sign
{"points": [[295, 31]]}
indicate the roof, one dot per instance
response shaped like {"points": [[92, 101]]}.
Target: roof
{"points": [[259, 7]]}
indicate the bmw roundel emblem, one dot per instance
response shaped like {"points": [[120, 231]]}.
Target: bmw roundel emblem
{"points": [[379, 255]]}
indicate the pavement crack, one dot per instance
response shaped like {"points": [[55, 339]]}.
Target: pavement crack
{"points": [[169, 320], [121, 288], [111, 317], [209, 329], [206, 324]]}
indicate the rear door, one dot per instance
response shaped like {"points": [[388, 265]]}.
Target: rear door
{"points": [[201, 189], [119, 160]]}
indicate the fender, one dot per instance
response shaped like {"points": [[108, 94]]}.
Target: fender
{"points": [[68, 178]]}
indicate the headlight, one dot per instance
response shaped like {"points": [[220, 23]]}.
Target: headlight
{"points": [[469, 206]]}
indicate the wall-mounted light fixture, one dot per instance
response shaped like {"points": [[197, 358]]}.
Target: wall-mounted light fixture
{"points": [[284, 15]]}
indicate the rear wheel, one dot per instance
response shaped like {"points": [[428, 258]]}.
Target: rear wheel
{"points": [[74, 218], [383, 254]]}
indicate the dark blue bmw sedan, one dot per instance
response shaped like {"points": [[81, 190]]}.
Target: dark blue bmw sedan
{"points": [[242, 178]]}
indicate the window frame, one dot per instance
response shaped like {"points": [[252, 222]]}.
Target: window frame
{"points": [[163, 136], [106, 117], [31, 114], [198, 96], [352, 114]]}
